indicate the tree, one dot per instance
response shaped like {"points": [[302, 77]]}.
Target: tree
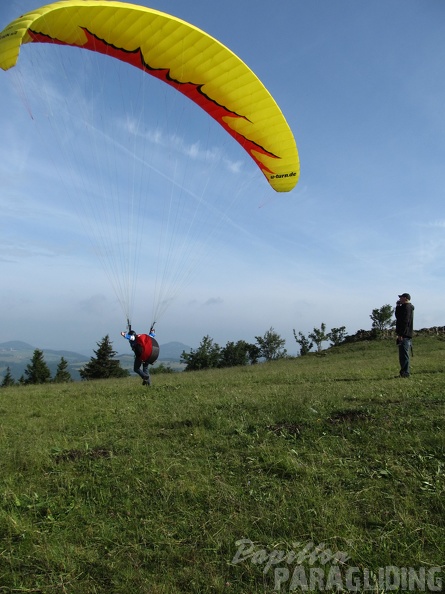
{"points": [[337, 335], [234, 354], [37, 372], [62, 374], [8, 380], [103, 365], [382, 318], [304, 342], [254, 353], [239, 353], [162, 368], [271, 345], [206, 356], [318, 335]]}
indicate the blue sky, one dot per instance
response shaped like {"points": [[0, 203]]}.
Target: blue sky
{"points": [[362, 87]]}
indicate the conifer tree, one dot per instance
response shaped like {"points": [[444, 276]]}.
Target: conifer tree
{"points": [[103, 366], [62, 374], [37, 372], [8, 380]]}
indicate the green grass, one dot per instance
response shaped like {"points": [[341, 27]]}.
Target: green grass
{"points": [[110, 487]]}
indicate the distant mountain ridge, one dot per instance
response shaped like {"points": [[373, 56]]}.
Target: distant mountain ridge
{"points": [[172, 351], [15, 345], [17, 354]]}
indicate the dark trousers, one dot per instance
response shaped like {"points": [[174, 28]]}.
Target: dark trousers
{"points": [[144, 374], [404, 354]]}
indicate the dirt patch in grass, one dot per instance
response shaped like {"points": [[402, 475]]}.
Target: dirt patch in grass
{"points": [[90, 454], [285, 428], [349, 416]]}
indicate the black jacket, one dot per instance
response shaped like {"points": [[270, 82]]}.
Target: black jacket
{"points": [[404, 320]]}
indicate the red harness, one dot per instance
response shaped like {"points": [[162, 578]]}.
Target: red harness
{"points": [[147, 347], [150, 348]]}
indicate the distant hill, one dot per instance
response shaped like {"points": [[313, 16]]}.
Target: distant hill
{"points": [[172, 351], [16, 355], [15, 345]]}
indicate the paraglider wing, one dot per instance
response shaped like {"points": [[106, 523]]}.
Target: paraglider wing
{"points": [[182, 56]]}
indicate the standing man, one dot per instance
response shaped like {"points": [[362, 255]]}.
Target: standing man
{"points": [[404, 330]]}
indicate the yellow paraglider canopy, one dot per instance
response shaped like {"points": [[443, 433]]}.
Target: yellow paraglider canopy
{"points": [[181, 55]]}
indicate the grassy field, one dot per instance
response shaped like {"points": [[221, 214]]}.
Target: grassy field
{"points": [[325, 468]]}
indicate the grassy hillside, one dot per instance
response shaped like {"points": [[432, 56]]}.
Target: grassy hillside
{"points": [[228, 480]]}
